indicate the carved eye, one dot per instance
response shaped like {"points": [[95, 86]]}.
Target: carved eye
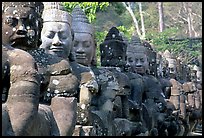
{"points": [[86, 44], [49, 35], [11, 21]]}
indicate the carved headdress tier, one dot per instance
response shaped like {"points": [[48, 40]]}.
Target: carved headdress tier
{"points": [[136, 49], [113, 34], [135, 41], [114, 37], [38, 6], [136, 46], [55, 12], [80, 22], [167, 54]]}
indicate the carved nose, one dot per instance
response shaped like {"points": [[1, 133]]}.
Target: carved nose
{"points": [[80, 49], [56, 41], [138, 64], [21, 30]]}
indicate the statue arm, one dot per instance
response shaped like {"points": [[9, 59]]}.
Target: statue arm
{"points": [[23, 97]]}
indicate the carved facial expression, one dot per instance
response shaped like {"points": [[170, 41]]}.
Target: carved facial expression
{"points": [[138, 62], [20, 27], [56, 38], [84, 48], [172, 65]]}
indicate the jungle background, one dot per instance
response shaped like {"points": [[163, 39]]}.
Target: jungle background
{"points": [[176, 26]]}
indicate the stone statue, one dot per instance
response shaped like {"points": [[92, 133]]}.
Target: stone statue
{"points": [[150, 94], [193, 91], [84, 42], [48, 66], [22, 87], [57, 39], [152, 58], [113, 58], [176, 95], [137, 89], [84, 49]]}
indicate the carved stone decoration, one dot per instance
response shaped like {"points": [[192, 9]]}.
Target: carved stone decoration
{"points": [[84, 47], [113, 49]]}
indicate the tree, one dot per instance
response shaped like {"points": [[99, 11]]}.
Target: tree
{"points": [[129, 9], [186, 16], [90, 8], [161, 16], [142, 19]]}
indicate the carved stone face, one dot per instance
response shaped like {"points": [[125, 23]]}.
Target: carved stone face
{"points": [[56, 38], [84, 48], [172, 65], [20, 27], [138, 62]]}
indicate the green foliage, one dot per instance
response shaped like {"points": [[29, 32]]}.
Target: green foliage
{"points": [[161, 39], [162, 42], [116, 15], [127, 31], [99, 37], [90, 8], [118, 7]]}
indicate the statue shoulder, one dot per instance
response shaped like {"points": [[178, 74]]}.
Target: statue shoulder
{"points": [[103, 75], [18, 56]]}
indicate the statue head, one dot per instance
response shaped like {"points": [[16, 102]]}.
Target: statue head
{"points": [[151, 53], [56, 34], [196, 73], [113, 49], [172, 63], [84, 47], [137, 57], [21, 24]]}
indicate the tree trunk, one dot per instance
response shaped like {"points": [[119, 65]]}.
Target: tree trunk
{"points": [[188, 10], [161, 16], [127, 6], [142, 20]]}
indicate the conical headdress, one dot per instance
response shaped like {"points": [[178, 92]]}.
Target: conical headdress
{"points": [[113, 48], [136, 46], [80, 22], [55, 12], [167, 54]]}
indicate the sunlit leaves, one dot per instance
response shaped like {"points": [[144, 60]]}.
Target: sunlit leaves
{"points": [[90, 8]]}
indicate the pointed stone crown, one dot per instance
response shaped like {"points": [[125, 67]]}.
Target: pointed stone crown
{"points": [[55, 12], [38, 6], [114, 36], [80, 22], [136, 46], [167, 54], [135, 41], [113, 46]]}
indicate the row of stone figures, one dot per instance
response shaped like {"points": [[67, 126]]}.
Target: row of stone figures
{"points": [[52, 86]]}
